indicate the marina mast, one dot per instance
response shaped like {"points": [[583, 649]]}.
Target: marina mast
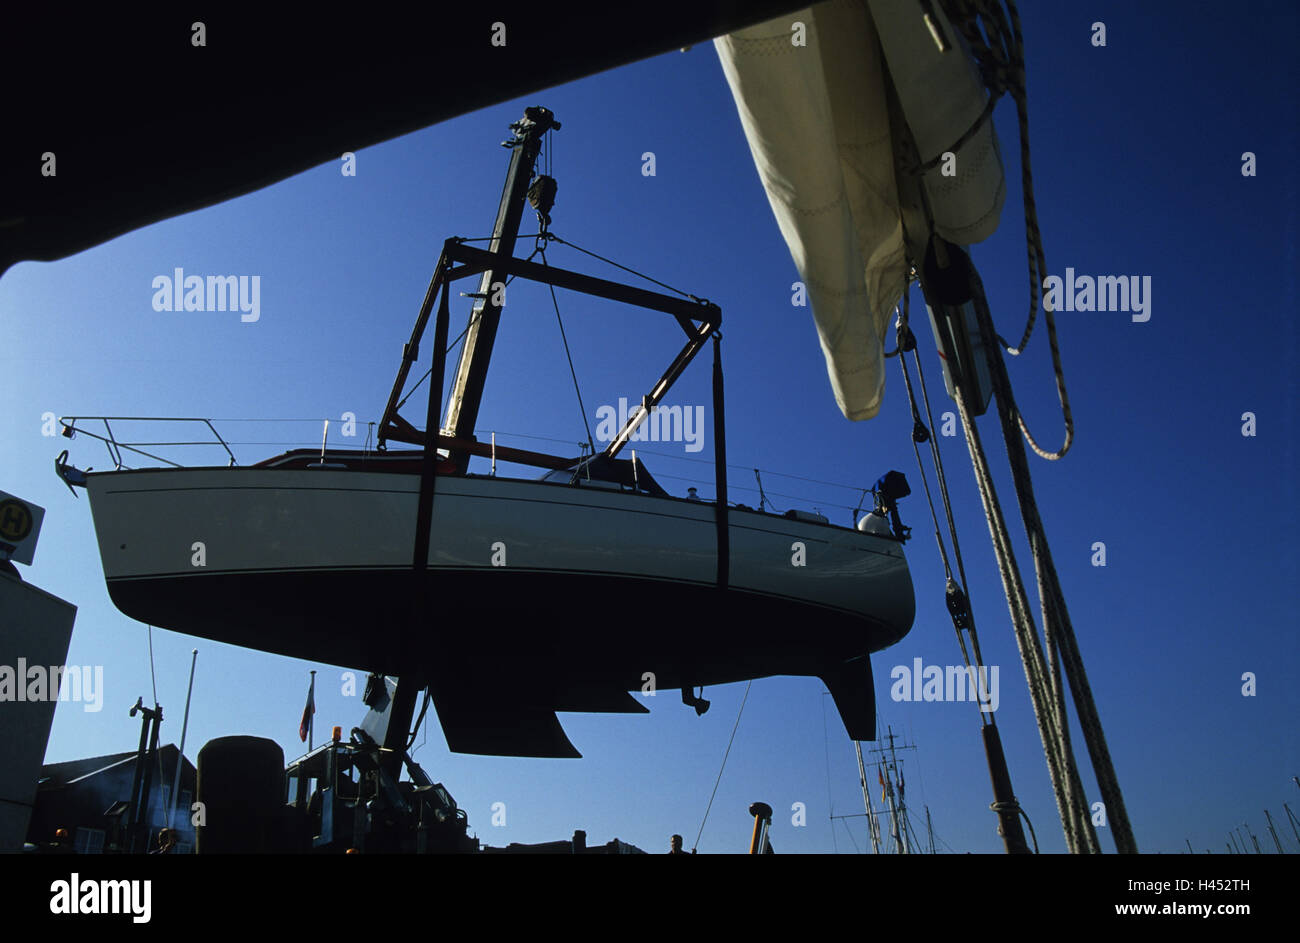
{"points": [[873, 824], [889, 774]]}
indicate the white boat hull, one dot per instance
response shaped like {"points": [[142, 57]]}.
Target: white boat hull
{"points": [[150, 523], [557, 588]]}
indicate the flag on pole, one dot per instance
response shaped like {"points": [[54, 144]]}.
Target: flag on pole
{"points": [[304, 728], [881, 776], [900, 786]]}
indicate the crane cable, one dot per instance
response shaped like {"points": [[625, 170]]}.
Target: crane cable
{"points": [[541, 244]]}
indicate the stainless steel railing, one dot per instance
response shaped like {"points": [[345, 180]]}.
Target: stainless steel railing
{"points": [[116, 446]]}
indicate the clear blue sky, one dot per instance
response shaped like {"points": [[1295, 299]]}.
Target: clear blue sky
{"points": [[1137, 153]]}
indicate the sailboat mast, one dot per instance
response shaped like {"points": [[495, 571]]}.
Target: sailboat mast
{"points": [[1273, 831], [901, 809], [1292, 819], [872, 828], [467, 388], [896, 832], [893, 811]]}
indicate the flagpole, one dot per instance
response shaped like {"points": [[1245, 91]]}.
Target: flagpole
{"points": [[311, 718]]}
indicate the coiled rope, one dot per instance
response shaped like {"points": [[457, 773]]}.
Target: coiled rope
{"points": [[1001, 59]]}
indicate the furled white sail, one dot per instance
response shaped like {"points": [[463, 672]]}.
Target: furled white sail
{"points": [[810, 88]]}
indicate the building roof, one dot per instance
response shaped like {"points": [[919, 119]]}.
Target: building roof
{"points": [[58, 775]]}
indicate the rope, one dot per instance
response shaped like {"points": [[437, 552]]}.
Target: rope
{"points": [[830, 801], [922, 433], [1058, 630], [1043, 674], [724, 766], [1002, 67], [1013, 805], [582, 409], [1000, 57], [947, 508], [1032, 833], [1049, 728], [856, 850], [938, 464], [562, 242]]}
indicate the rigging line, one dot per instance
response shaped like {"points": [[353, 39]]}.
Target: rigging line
{"points": [[162, 782], [909, 826], [1057, 627], [684, 294], [916, 762], [681, 458], [416, 387], [856, 849], [925, 481], [942, 480], [315, 419], [558, 320], [704, 481], [152, 677], [1002, 67], [903, 333], [780, 494], [1031, 827], [724, 766], [830, 802], [1063, 774]]}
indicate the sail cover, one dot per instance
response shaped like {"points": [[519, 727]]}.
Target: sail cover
{"points": [[811, 91]]}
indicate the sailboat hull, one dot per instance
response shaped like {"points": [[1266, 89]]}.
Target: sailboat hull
{"points": [[532, 582]]}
